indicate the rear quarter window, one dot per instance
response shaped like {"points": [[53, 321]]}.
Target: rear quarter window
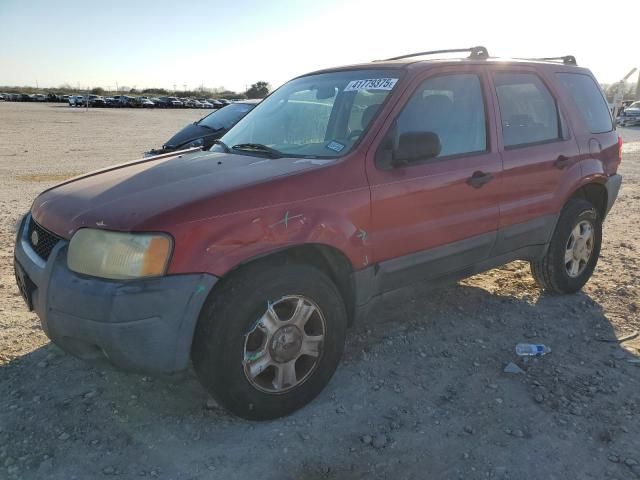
{"points": [[589, 100]]}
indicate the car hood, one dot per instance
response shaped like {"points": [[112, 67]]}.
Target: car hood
{"points": [[189, 133], [141, 195]]}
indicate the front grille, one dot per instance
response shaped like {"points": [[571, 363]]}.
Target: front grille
{"points": [[42, 241]]}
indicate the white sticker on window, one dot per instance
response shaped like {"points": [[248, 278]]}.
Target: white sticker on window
{"points": [[371, 84], [335, 146]]}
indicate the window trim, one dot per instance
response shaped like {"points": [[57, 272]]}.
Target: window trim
{"points": [[560, 116], [381, 146]]}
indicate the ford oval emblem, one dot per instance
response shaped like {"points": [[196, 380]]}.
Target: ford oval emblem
{"points": [[34, 238]]}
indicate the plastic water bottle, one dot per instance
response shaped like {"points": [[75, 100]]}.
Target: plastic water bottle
{"points": [[531, 350]]}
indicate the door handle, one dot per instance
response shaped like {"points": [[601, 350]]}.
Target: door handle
{"points": [[478, 179], [561, 162]]}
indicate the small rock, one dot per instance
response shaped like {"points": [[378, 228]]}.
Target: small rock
{"points": [[366, 439], [45, 466], [380, 441], [613, 458], [630, 462], [539, 398], [512, 368], [468, 429], [108, 470], [63, 436], [210, 404]]}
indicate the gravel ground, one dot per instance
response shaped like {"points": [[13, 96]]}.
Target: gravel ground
{"points": [[421, 392]]}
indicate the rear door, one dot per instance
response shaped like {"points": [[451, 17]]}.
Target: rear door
{"points": [[540, 157], [430, 218]]}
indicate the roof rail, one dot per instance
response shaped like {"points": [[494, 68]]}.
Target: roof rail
{"points": [[474, 53], [567, 59]]}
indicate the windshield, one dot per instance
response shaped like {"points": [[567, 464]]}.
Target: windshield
{"points": [[634, 105], [320, 115], [226, 117]]}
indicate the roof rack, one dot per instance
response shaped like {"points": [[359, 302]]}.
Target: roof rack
{"points": [[474, 53], [567, 59]]}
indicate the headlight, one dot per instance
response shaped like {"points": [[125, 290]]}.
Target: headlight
{"points": [[195, 143], [115, 255]]}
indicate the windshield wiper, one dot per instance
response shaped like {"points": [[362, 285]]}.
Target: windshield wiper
{"points": [[224, 146], [258, 148]]}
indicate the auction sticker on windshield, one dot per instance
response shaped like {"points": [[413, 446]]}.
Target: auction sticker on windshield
{"points": [[371, 84]]}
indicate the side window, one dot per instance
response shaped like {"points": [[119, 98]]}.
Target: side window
{"points": [[452, 107], [529, 112], [589, 100]]}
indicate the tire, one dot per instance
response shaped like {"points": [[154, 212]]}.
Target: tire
{"points": [[230, 322], [551, 271]]}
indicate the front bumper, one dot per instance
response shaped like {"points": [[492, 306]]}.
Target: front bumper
{"points": [[142, 325], [635, 120]]}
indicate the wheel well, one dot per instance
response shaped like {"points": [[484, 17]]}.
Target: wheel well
{"points": [[328, 259], [596, 194]]}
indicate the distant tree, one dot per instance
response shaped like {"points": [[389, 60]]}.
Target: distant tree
{"points": [[155, 91], [258, 90], [97, 91]]}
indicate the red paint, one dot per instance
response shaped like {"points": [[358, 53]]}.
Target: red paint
{"points": [[224, 209]]}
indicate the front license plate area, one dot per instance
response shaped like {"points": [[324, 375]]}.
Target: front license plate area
{"points": [[25, 285]]}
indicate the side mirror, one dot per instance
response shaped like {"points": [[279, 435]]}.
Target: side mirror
{"points": [[415, 146]]}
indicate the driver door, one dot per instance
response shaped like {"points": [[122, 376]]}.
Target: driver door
{"points": [[438, 215]]}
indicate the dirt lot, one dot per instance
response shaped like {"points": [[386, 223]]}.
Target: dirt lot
{"points": [[421, 393]]}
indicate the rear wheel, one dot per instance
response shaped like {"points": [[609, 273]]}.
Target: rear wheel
{"points": [[574, 249], [269, 339]]}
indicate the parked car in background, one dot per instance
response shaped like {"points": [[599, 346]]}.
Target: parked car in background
{"points": [[97, 101], [630, 116], [77, 101], [169, 102], [205, 103], [38, 97], [128, 101], [205, 131], [3, 96], [144, 102], [188, 103]]}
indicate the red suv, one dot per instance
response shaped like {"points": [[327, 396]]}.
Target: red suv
{"points": [[252, 259]]}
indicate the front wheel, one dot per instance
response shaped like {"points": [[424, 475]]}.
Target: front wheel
{"points": [[269, 339], [574, 249]]}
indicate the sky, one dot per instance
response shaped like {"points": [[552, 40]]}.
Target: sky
{"points": [[213, 43]]}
